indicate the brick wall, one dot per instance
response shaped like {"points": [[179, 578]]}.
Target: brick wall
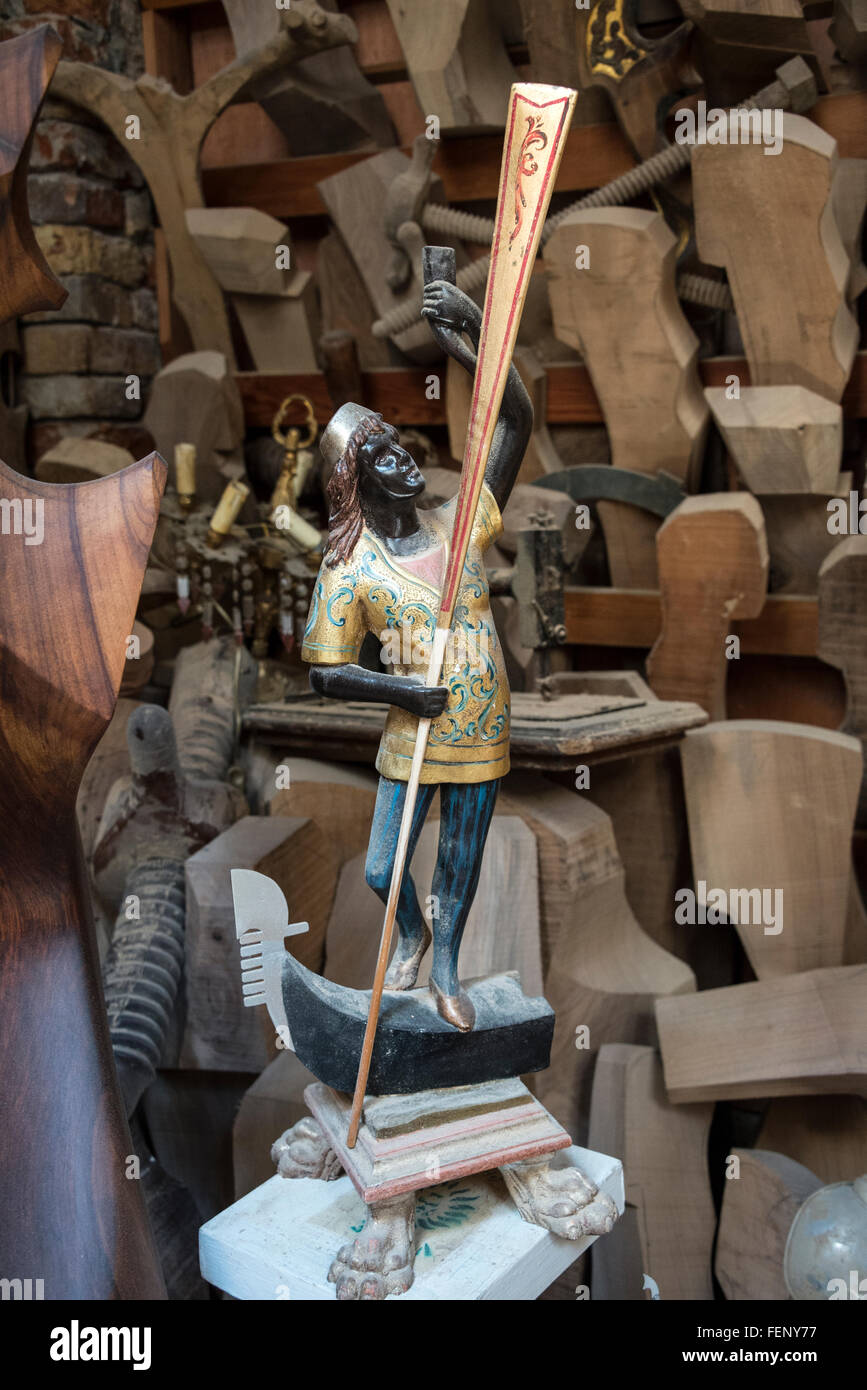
{"points": [[94, 221]]}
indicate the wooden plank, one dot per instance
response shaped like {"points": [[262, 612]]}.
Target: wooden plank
{"points": [[546, 734], [799, 1035], [469, 168], [378, 50], [787, 625], [571, 398], [166, 42]]}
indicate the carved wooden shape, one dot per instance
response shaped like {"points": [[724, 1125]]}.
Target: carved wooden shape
{"points": [[76, 460], [849, 198], [621, 312], [798, 538], [758, 1209], [195, 400], [770, 808], [347, 306], [282, 330], [739, 48], [458, 64], [540, 456], [782, 438], [326, 103], [240, 247], [713, 569], [26, 67], [64, 1141], [667, 1229], [769, 220], [220, 1034], [842, 594], [827, 1134], [356, 199], [603, 972]]}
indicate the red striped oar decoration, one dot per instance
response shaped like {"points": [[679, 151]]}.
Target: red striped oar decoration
{"points": [[536, 128]]}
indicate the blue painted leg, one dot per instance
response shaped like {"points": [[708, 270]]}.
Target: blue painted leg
{"points": [[466, 812], [413, 932]]}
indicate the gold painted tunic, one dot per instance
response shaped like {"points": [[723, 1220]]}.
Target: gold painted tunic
{"points": [[374, 591]]}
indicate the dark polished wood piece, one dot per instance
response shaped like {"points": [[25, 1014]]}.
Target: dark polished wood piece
{"points": [[26, 68], [70, 1214]]}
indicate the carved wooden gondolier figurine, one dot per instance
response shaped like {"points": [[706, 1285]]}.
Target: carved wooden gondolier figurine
{"points": [[418, 1087], [383, 573]]}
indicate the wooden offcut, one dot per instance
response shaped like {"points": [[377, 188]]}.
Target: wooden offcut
{"points": [[282, 330], [771, 808], [784, 439], [241, 248], [76, 460], [458, 64], [667, 1229], [759, 1206], [797, 1035], [713, 569], [194, 400]]}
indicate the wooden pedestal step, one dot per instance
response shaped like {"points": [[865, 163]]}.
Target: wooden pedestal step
{"points": [[408, 1142]]}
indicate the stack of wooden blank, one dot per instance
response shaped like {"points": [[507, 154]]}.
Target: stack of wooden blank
{"points": [[771, 808], [787, 230]]}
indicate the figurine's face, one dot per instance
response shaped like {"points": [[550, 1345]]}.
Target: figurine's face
{"points": [[387, 469]]}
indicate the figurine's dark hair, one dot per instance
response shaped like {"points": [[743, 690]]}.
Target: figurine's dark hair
{"points": [[345, 519]]}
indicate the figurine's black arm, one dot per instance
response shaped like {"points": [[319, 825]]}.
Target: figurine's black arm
{"points": [[515, 423], [351, 682]]}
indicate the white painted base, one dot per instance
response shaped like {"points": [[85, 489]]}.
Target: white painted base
{"points": [[278, 1242]]}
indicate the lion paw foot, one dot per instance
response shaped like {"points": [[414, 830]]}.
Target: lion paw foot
{"points": [[560, 1199], [379, 1262], [304, 1152]]}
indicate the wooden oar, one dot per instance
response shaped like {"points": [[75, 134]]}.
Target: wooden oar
{"points": [[536, 126]]}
